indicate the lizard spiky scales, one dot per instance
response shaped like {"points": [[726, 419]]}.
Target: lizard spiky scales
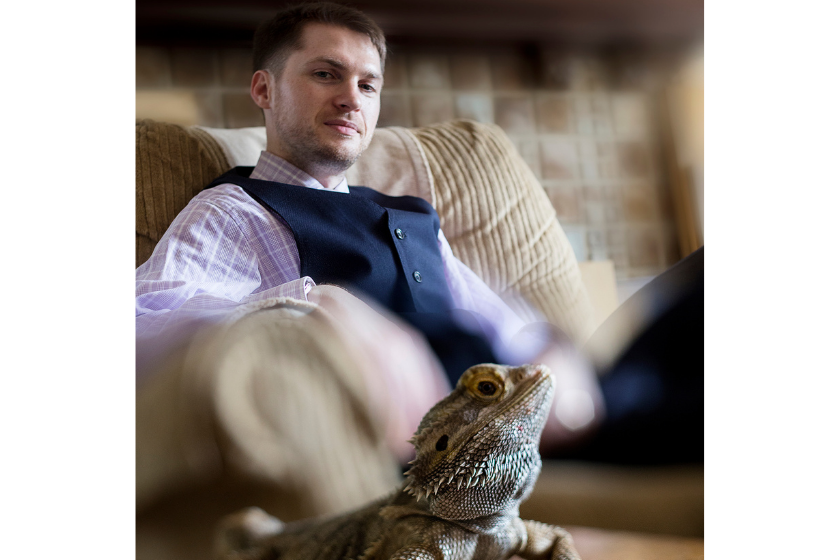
{"points": [[490, 457], [477, 459]]}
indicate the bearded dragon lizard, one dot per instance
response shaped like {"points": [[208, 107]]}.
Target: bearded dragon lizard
{"points": [[477, 459]]}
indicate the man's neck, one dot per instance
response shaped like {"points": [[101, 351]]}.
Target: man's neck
{"points": [[329, 178], [272, 167]]}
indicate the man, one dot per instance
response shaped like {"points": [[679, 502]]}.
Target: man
{"points": [[293, 221]]}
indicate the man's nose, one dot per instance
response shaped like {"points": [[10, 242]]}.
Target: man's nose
{"points": [[349, 98]]}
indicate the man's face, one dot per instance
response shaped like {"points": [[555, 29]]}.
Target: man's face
{"points": [[326, 100]]}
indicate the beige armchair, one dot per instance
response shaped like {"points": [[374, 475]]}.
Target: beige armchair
{"points": [[271, 408]]}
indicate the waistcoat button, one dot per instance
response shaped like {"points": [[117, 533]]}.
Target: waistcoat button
{"points": [[399, 233], [417, 277]]}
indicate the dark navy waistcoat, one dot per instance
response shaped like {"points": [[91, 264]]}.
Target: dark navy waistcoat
{"points": [[371, 244], [380, 247]]}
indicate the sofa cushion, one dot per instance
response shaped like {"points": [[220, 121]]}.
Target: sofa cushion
{"points": [[501, 224]]}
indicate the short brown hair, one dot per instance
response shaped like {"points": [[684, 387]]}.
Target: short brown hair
{"points": [[276, 38]]}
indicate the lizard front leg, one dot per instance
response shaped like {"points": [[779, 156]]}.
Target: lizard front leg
{"points": [[547, 542]]}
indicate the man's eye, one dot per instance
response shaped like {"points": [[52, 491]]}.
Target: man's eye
{"points": [[368, 88], [323, 74]]}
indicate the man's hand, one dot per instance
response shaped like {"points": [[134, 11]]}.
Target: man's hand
{"points": [[578, 406], [403, 376]]}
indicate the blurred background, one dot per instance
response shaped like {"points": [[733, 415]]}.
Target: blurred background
{"points": [[602, 98]]}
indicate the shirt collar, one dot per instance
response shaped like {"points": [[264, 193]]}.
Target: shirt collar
{"points": [[271, 167]]}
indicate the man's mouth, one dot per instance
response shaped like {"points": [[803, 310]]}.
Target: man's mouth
{"points": [[344, 127]]}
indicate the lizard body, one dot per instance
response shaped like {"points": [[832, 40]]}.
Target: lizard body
{"points": [[477, 459]]}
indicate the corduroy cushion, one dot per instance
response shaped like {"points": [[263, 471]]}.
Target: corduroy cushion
{"points": [[493, 210], [501, 224]]}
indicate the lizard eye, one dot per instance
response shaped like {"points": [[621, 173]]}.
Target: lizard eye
{"points": [[487, 388], [484, 383], [442, 443]]}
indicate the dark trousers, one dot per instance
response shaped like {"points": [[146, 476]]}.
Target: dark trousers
{"points": [[654, 390]]}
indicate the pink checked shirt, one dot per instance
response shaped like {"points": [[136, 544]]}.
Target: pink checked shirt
{"points": [[225, 249]]}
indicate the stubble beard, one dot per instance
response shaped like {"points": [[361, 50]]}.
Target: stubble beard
{"points": [[309, 154]]}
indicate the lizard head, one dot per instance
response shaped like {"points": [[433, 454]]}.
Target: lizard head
{"points": [[477, 449]]}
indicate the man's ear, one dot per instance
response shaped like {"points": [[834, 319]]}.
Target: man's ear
{"points": [[261, 85]]}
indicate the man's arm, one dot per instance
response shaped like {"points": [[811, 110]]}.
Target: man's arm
{"points": [[469, 292], [205, 266], [222, 243]]}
